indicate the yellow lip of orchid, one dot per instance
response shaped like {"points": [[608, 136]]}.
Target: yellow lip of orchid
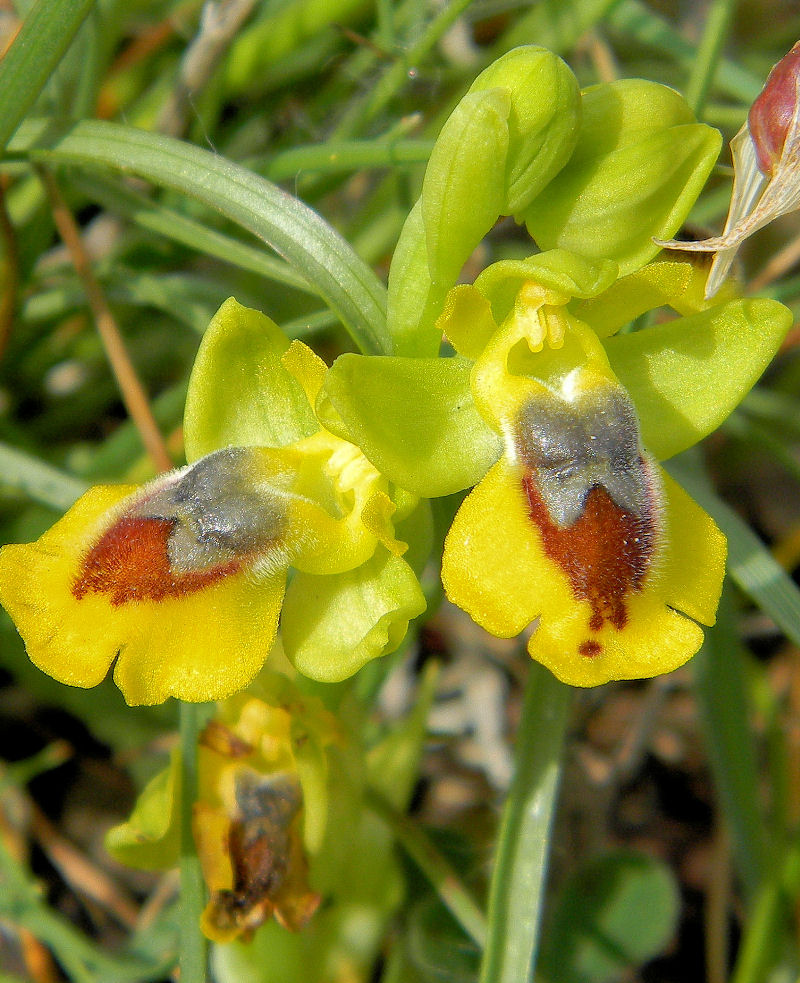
{"points": [[574, 531]]}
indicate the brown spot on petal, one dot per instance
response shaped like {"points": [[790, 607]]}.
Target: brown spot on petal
{"points": [[590, 648], [771, 114], [131, 563], [605, 553]]}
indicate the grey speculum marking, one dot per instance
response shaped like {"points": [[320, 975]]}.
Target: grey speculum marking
{"points": [[573, 446], [218, 512]]}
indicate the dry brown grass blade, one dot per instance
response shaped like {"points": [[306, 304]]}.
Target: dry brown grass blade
{"points": [[133, 394]]}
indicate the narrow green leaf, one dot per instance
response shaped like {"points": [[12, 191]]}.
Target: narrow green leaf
{"points": [[634, 19], [517, 891], [25, 68], [40, 481], [297, 233]]}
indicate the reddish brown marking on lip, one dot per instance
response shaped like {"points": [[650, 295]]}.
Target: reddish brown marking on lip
{"points": [[605, 553], [590, 648], [130, 562]]}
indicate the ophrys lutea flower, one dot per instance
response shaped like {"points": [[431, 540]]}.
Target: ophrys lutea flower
{"points": [[179, 584], [573, 530]]}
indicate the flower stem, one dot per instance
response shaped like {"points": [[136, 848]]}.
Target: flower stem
{"points": [[435, 867], [704, 66], [517, 891], [193, 944]]}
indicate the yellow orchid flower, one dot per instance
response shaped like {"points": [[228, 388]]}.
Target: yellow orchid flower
{"points": [[572, 532], [179, 585]]}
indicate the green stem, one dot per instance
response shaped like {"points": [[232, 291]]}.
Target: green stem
{"points": [[704, 66], [517, 891], [345, 156], [193, 943], [435, 867]]}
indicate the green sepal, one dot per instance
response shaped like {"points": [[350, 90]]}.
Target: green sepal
{"points": [[334, 625], [240, 394], [686, 376], [464, 189], [150, 839], [556, 269], [543, 123], [414, 419], [638, 168]]}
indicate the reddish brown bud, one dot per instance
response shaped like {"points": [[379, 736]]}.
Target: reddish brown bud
{"points": [[771, 114]]}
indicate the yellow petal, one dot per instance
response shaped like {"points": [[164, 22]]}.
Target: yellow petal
{"points": [[200, 644]]}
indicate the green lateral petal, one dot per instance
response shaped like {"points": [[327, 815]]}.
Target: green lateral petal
{"points": [[556, 269], [467, 320], [464, 188], [334, 625], [686, 376], [414, 419], [240, 393], [655, 285]]}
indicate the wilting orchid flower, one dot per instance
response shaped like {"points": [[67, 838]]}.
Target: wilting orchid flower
{"points": [[573, 530], [766, 165], [179, 584], [261, 812]]}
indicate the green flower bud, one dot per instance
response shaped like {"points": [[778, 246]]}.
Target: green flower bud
{"points": [[638, 167], [507, 138], [543, 121]]}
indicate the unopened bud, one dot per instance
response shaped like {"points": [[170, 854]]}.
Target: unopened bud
{"points": [[771, 115]]}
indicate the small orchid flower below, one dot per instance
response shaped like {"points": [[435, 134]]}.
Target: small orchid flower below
{"points": [[766, 164], [261, 813]]}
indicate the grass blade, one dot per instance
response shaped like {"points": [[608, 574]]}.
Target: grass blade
{"points": [[40, 481], [296, 232], [43, 38]]}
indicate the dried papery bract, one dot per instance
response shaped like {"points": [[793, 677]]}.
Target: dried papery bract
{"points": [[766, 164]]}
